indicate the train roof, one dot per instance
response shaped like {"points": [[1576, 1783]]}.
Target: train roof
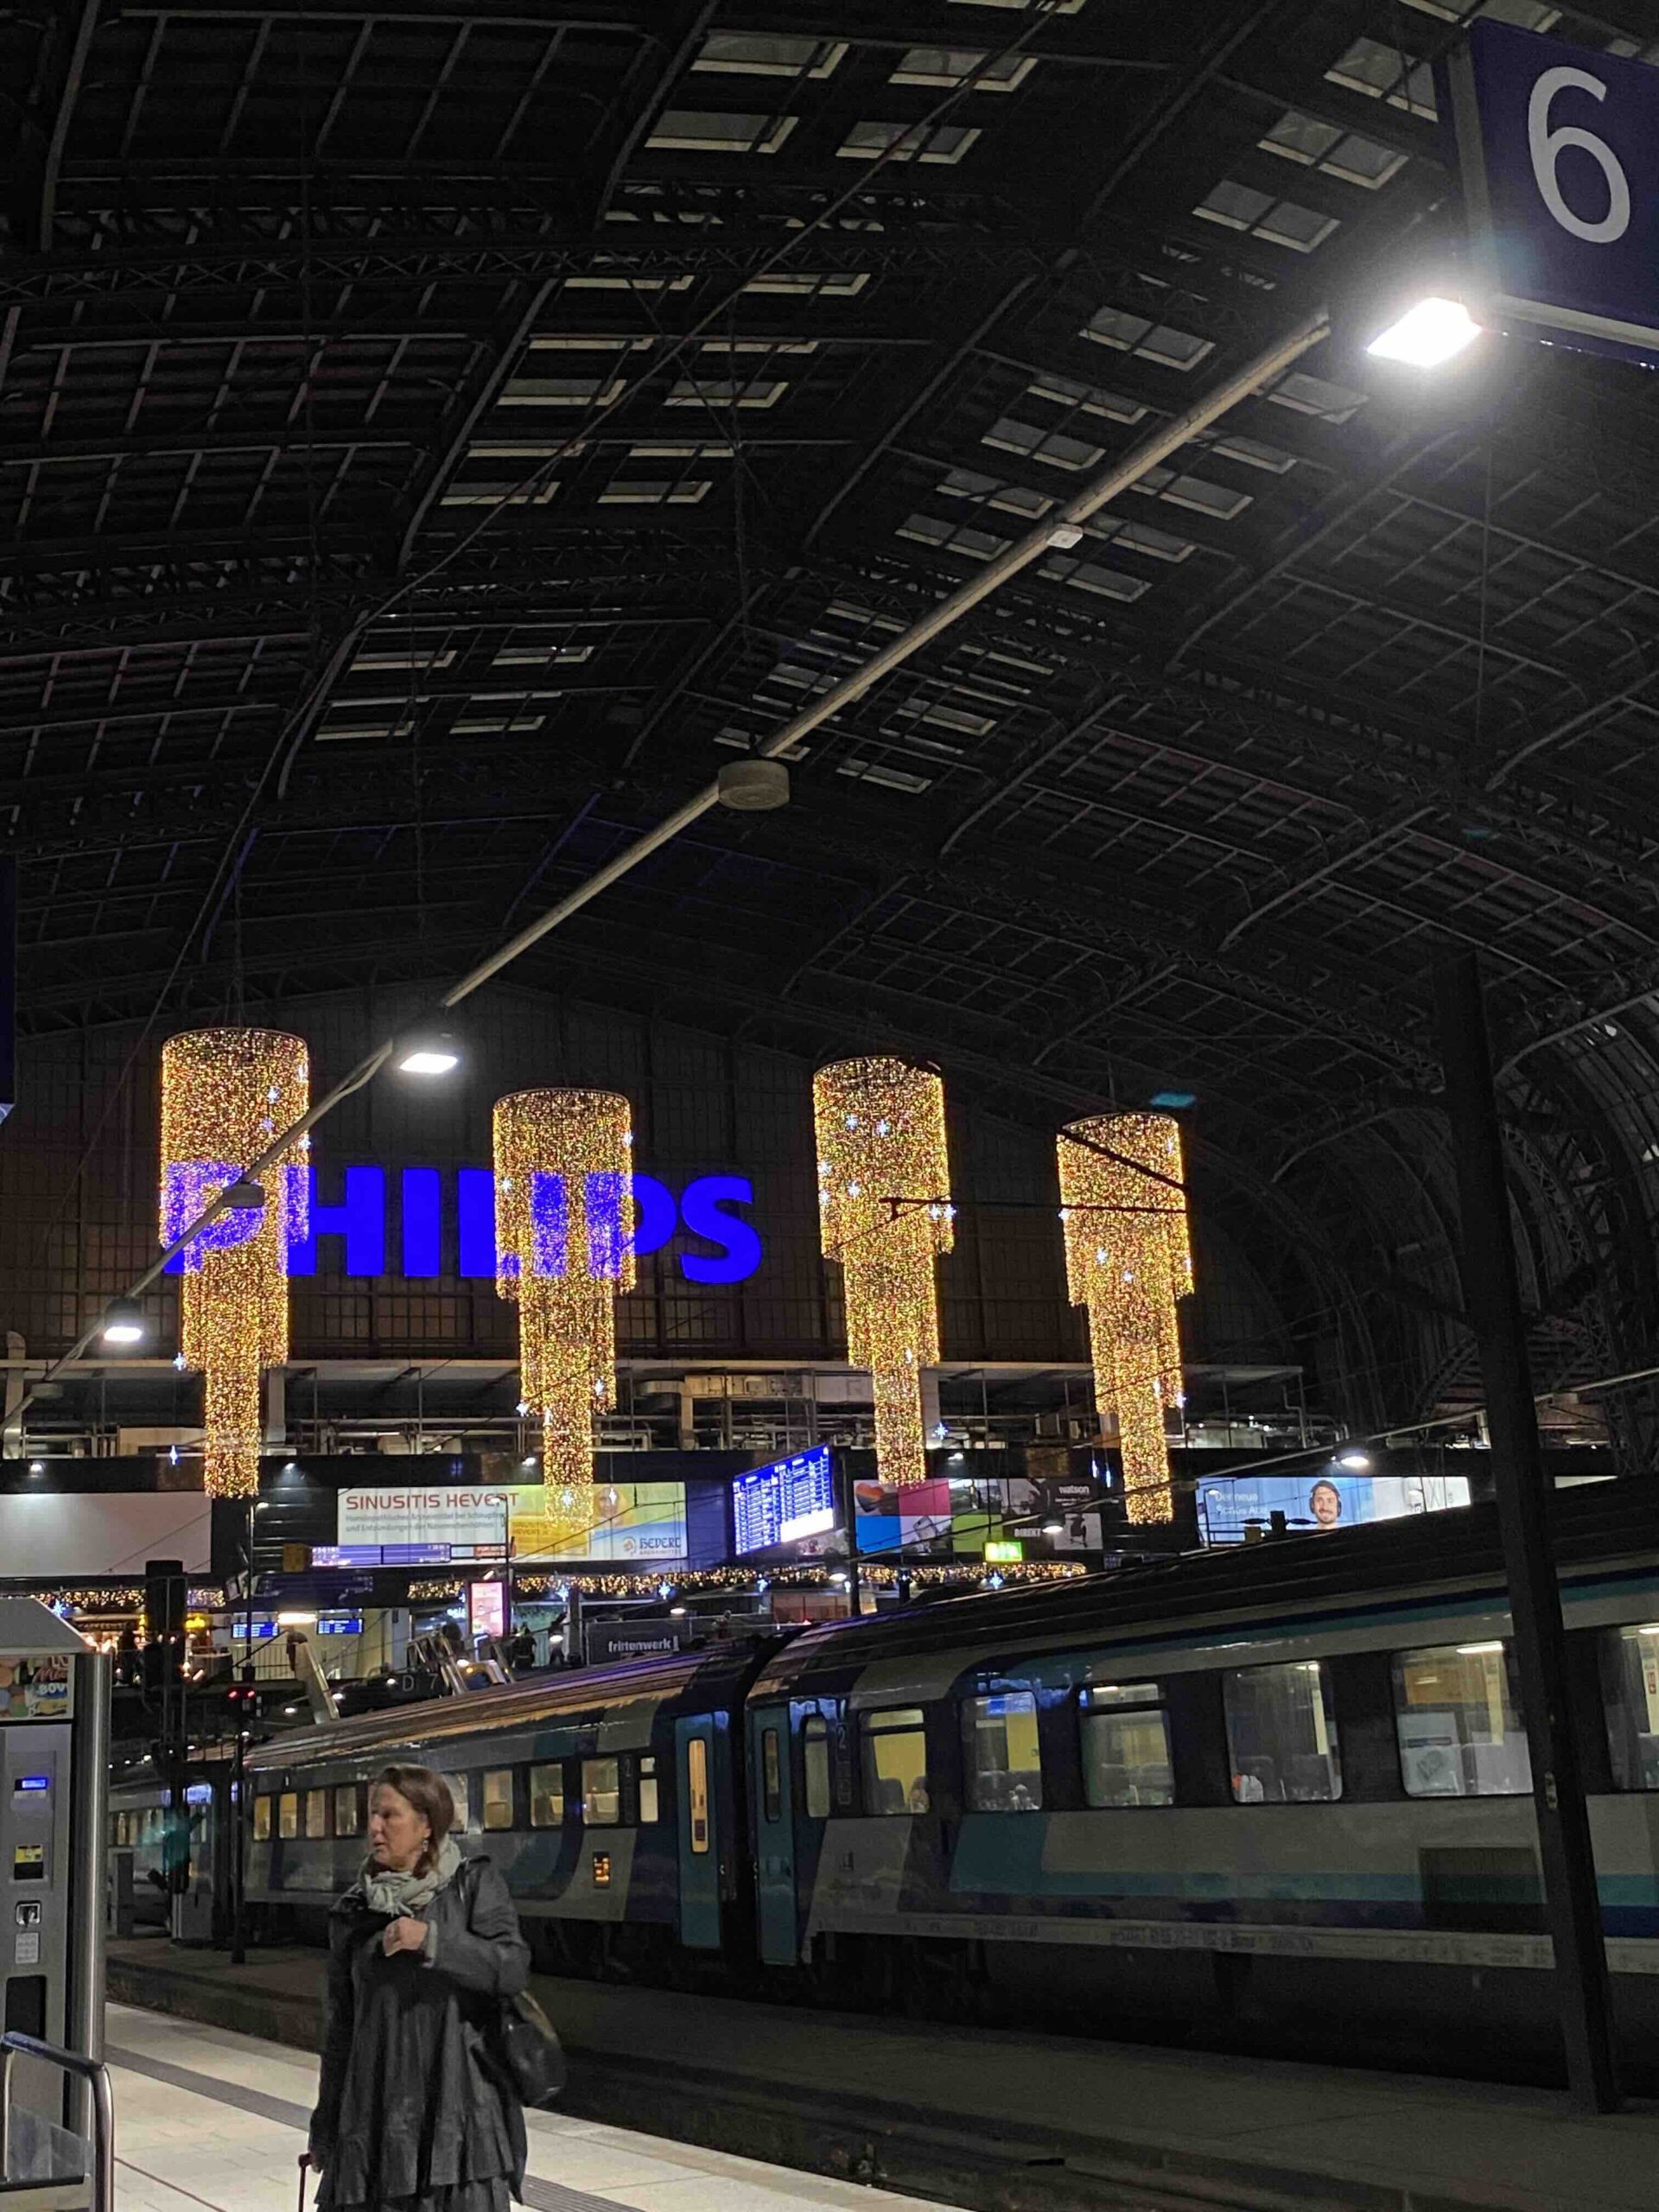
{"points": [[585, 1695], [1288, 1577]]}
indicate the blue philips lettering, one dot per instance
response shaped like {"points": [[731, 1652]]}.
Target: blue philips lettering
{"points": [[476, 1218], [656, 1215], [701, 1209], [191, 1187], [360, 1219], [423, 1211]]}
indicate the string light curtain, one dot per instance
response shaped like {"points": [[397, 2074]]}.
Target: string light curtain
{"points": [[1128, 1259], [880, 1132], [564, 1250], [226, 1093]]}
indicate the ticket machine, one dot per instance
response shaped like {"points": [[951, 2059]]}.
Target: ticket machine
{"points": [[55, 1707]]}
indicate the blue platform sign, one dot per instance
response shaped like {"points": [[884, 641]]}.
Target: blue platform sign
{"points": [[1559, 150]]}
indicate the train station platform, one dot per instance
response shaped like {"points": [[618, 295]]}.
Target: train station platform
{"points": [[993, 2121], [205, 2117]]}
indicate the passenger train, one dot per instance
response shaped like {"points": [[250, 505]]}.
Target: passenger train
{"points": [[1273, 1800]]}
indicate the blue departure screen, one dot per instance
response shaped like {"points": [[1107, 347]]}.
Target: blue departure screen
{"points": [[782, 1503]]}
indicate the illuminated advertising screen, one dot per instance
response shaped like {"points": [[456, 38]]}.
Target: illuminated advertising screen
{"points": [[785, 1502], [1329, 1499], [405, 1525], [487, 1609], [887, 1519]]}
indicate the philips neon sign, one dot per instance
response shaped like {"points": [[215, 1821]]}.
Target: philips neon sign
{"points": [[357, 1225]]}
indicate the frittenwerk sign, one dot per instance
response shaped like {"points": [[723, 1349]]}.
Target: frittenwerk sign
{"points": [[1558, 147], [437, 1209]]}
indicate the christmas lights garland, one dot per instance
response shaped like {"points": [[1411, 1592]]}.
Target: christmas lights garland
{"points": [[1128, 1259], [564, 1250], [885, 1214], [224, 1094]]}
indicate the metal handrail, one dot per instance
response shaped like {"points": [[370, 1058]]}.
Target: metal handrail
{"points": [[14, 2044]]}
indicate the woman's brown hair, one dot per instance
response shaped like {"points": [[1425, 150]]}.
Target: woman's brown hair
{"points": [[430, 1793]]}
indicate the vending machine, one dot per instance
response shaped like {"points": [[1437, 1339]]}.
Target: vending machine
{"points": [[54, 1706]]}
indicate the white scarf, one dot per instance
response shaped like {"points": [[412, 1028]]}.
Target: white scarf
{"points": [[396, 1891]]}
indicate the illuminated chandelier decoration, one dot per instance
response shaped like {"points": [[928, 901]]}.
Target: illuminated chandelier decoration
{"points": [[226, 1093], [1127, 1259], [564, 1250], [880, 1132]]}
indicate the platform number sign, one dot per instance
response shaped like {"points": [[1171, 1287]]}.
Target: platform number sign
{"points": [[1558, 147]]}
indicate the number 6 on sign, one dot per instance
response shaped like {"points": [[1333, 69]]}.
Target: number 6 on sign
{"points": [[1559, 153], [1547, 147]]}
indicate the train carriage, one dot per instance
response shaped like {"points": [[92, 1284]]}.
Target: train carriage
{"points": [[1275, 1800], [610, 1800]]}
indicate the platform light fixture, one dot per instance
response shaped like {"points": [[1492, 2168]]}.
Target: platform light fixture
{"points": [[427, 1053], [124, 1323], [1430, 332], [1356, 1463]]}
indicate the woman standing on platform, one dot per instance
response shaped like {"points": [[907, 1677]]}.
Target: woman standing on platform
{"points": [[411, 2115]]}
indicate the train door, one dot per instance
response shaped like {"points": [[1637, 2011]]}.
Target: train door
{"points": [[774, 1834], [694, 1759]]}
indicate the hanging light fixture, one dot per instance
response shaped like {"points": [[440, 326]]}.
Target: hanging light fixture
{"points": [[881, 1135], [564, 1236], [226, 1093], [1128, 1259]]}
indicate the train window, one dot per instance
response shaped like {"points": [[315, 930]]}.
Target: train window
{"points": [[316, 1812], [1630, 1690], [815, 1766], [497, 1798], [894, 1742], [601, 1792], [649, 1805], [696, 1792], [1455, 1711], [1003, 1762], [1281, 1735], [772, 1775], [1125, 1744], [458, 1790], [262, 1820], [287, 1813], [348, 1810], [547, 1797]]}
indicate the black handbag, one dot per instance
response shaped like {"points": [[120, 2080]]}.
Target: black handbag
{"points": [[519, 2040], [525, 2046]]}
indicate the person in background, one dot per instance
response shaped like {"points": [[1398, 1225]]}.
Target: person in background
{"points": [[411, 2116], [521, 1651], [1324, 1504]]}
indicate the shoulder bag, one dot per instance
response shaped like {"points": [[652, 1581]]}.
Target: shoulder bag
{"points": [[519, 2040]]}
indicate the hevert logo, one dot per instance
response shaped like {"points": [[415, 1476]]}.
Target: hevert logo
{"points": [[445, 1223]]}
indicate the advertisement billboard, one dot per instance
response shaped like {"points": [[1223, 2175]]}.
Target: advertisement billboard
{"points": [[1327, 1500], [385, 1524], [915, 1518]]}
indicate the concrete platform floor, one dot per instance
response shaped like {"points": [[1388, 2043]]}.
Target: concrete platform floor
{"points": [[1009, 2122], [208, 2119]]}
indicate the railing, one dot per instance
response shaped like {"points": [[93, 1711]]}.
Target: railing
{"points": [[96, 2075]]}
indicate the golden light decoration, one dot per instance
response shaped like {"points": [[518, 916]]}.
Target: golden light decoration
{"points": [[564, 1250], [1128, 1259], [880, 1134], [226, 1093]]}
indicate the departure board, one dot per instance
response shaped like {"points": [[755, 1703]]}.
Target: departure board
{"points": [[782, 1503]]}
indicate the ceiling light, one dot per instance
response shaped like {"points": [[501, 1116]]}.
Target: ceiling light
{"points": [[243, 1193], [37, 1466], [1477, 1650], [124, 1324], [753, 786], [429, 1053], [1358, 1462], [1433, 332], [1053, 1528]]}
